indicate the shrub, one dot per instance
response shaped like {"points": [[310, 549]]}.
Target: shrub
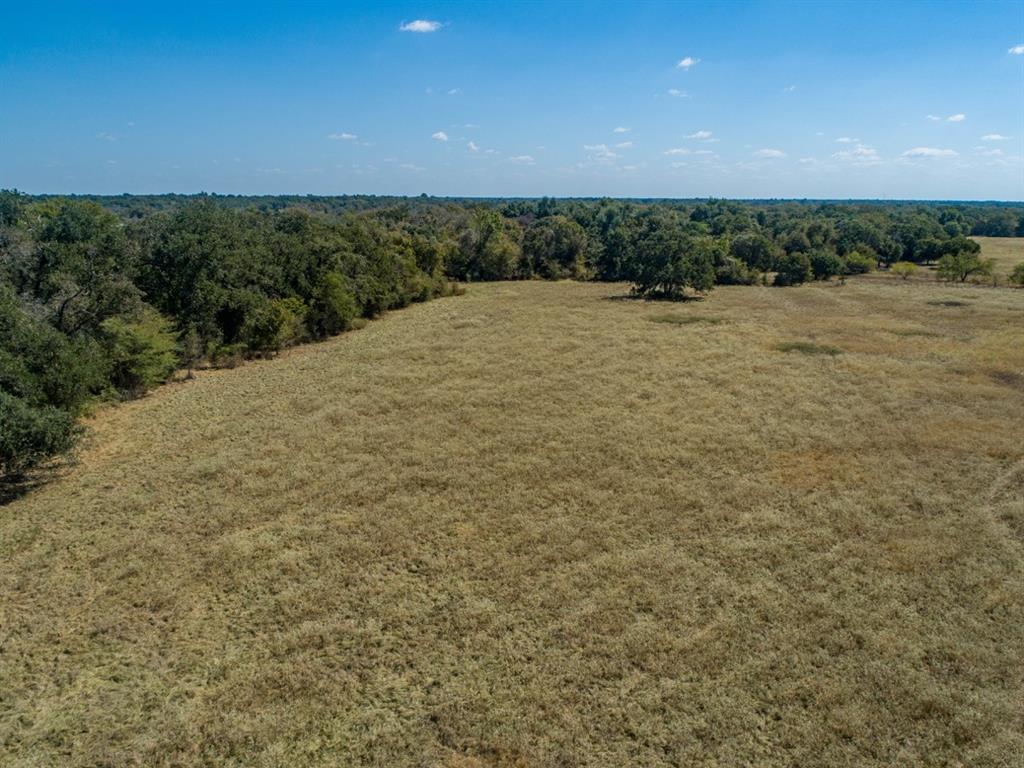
{"points": [[732, 271], [142, 353], [333, 308], [825, 264], [31, 435], [1017, 275], [793, 269], [857, 263], [958, 266], [904, 269]]}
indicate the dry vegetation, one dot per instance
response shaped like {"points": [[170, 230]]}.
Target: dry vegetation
{"points": [[531, 527], [1008, 252]]}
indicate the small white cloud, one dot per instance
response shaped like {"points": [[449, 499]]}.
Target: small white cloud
{"points": [[522, 159], [472, 147], [676, 93], [620, 129], [454, 91], [860, 154], [700, 135], [957, 118], [342, 136], [934, 118], [600, 150], [677, 151], [1017, 50], [789, 88], [624, 145], [768, 154], [420, 25], [687, 62], [994, 137], [471, 125], [988, 152], [847, 140], [107, 136], [439, 136], [929, 152]]}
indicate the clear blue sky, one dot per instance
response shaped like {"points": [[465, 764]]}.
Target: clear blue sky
{"points": [[741, 99]]}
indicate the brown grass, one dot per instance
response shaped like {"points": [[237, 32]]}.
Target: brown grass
{"points": [[530, 527], [1008, 252]]}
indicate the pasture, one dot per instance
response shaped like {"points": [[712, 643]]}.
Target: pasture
{"points": [[543, 524]]}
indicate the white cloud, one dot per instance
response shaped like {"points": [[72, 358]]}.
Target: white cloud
{"points": [[454, 91], [988, 152], [957, 118], [675, 92], [439, 136], [860, 154], [624, 145], [677, 151], [1017, 50], [847, 140], [620, 129], [600, 150], [700, 135], [934, 118], [342, 136], [522, 159], [929, 152], [420, 25], [789, 88], [994, 137], [767, 154], [687, 62], [472, 147]]}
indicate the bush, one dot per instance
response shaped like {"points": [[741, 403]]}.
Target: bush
{"points": [[333, 308], [732, 271], [141, 353], [904, 269], [1017, 276], [857, 263], [957, 267], [31, 435], [793, 269], [825, 264]]}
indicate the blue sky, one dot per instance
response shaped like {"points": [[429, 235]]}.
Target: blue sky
{"points": [[741, 99]]}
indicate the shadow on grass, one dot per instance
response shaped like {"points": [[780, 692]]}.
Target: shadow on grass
{"points": [[13, 487], [686, 299]]}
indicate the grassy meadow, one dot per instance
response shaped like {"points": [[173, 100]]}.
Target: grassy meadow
{"points": [[543, 524], [1008, 252]]}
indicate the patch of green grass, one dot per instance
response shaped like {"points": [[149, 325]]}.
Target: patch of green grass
{"points": [[807, 348], [685, 320]]}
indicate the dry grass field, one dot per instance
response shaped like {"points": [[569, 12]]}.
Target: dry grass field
{"points": [[539, 525], [1008, 252]]}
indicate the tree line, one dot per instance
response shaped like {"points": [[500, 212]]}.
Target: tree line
{"points": [[104, 298]]}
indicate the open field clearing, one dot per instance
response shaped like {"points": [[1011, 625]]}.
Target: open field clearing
{"points": [[543, 525], [1008, 252]]}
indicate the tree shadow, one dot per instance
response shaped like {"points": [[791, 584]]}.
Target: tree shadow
{"points": [[13, 487], [684, 299]]}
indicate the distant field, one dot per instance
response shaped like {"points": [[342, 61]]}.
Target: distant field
{"points": [[1007, 251], [544, 525]]}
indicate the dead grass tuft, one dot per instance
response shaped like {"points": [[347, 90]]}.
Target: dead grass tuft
{"points": [[807, 348]]}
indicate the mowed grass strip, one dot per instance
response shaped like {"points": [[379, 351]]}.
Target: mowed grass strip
{"points": [[518, 527]]}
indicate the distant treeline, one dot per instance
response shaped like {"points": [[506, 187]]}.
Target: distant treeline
{"points": [[105, 297]]}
